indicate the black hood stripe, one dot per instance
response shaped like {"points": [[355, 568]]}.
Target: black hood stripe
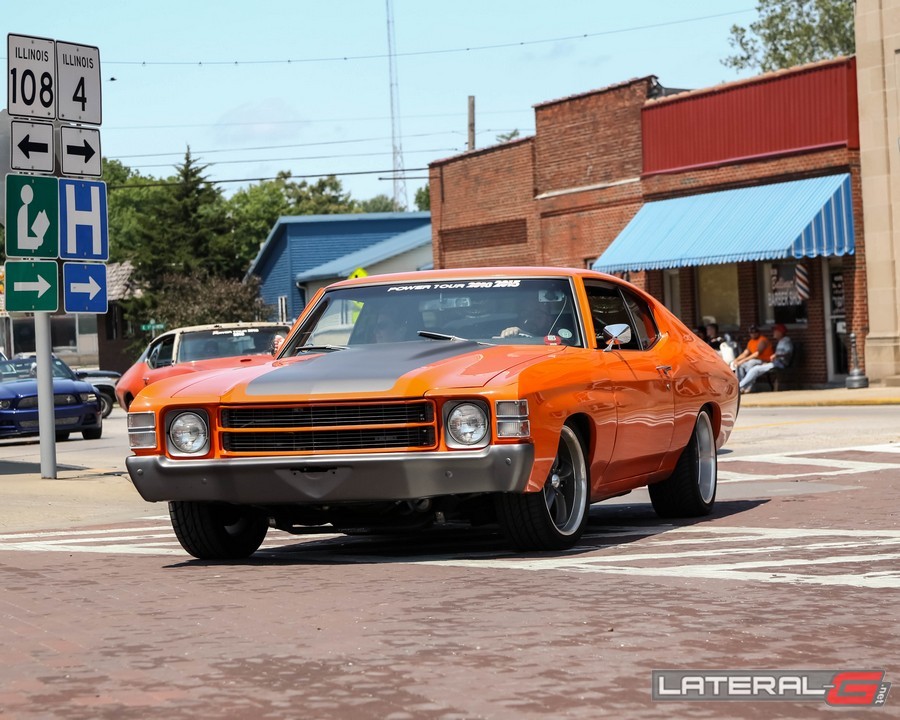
{"points": [[363, 369]]}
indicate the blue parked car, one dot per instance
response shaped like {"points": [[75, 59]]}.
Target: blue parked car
{"points": [[77, 403]]}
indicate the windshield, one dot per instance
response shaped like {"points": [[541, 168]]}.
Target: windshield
{"points": [[497, 311], [228, 342], [26, 369]]}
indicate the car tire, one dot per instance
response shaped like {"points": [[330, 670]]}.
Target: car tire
{"points": [[106, 404], [555, 517], [218, 531], [62, 435], [92, 433], [690, 491]]}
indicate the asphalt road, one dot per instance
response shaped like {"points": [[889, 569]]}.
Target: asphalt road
{"points": [[104, 616]]}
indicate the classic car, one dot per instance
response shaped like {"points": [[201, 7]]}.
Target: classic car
{"points": [[76, 403], [511, 397], [199, 347]]}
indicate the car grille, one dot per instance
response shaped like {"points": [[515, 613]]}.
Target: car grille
{"points": [[346, 427]]}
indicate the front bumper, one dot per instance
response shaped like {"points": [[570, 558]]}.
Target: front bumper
{"points": [[333, 478]]}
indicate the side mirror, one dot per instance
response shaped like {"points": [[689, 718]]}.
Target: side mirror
{"points": [[615, 335]]}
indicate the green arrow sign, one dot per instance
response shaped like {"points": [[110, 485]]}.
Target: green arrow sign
{"points": [[32, 286], [32, 216]]}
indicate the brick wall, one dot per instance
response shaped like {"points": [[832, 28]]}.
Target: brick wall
{"points": [[483, 190], [590, 139]]}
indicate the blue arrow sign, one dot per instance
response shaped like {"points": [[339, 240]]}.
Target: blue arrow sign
{"points": [[84, 288], [83, 222]]}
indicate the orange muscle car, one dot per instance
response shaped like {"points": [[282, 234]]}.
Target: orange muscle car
{"points": [[199, 347], [507, 396]]}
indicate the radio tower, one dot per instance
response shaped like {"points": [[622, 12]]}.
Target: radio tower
{"points": [[399, 181]]}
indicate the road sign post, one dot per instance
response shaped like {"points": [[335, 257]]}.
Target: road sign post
{"points": [[46, 218]]}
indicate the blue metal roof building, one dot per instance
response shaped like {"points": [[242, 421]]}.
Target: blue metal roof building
{"points": [[305, 252]]}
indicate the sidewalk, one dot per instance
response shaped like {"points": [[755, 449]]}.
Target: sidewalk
{"points": [[875, 395]]}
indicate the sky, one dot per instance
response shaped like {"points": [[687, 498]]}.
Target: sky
{"points": [[253, 88]]}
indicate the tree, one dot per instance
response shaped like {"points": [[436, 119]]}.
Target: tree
{"points": [[423, 198], [252, 213], [506, 137], [793, 32], [197, 298], [325, 196], [379, 203]]}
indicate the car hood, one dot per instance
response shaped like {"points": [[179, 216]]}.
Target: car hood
{"points": [[409, 369], [28, 388]]}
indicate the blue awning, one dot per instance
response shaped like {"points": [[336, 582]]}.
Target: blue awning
{"points": [[802, 218]]}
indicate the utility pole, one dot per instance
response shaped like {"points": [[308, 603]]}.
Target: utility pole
{"points": [[471, 122], [399, 180]]}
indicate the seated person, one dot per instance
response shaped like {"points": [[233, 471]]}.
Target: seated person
{"points": [[759, 350], [535, 320], [389, 326], [712, 336], [781, 358]]}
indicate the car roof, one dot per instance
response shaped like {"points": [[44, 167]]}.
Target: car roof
{"points": [[522, 271], [227, 326]]}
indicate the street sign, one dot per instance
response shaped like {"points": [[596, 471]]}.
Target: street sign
{"points": [[80, 151], [31, 146], [31, 70], [83, 223], [32, 286], [78, 78], [147, 327], [32, 216], [84, 288]]}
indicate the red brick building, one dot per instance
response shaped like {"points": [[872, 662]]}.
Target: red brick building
{"points": [[622, 179]]}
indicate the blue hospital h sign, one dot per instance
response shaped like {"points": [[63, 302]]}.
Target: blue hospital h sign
{"points": [[83, 223]]}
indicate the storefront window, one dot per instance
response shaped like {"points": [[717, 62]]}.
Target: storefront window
{"points": [[717, 290], [784, 292]]}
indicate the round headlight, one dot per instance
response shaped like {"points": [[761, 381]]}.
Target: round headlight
{"points": [[467, 424], [189, 433]]}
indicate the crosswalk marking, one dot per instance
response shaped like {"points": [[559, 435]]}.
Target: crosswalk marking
{"points": [[830, 466], [859, 558]]}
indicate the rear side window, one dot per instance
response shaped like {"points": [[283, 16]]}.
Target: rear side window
{"points": [[643, 325], [611, 305]]}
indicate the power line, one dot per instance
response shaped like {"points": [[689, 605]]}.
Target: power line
{"points": [[419, 53], [306, 157], [301, 122], [166, 183]]}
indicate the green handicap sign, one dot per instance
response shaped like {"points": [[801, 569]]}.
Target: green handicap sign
{"points": [[32, 286], [32, 216]]}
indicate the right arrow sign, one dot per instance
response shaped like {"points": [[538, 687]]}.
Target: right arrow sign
{"points": [[80, 151], [32, 286]]}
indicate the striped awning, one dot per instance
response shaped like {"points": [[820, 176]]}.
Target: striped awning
{"points": [[800, 219]]}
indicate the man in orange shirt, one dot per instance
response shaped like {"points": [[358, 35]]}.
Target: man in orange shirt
{"points": [[759, 350]]}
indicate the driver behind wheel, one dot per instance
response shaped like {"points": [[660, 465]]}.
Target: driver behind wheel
{"points": [[535, 320]]}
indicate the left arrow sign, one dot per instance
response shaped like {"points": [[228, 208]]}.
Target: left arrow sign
{"points": [[31, 146], [27, 146]]}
